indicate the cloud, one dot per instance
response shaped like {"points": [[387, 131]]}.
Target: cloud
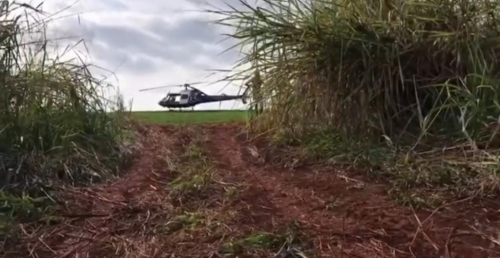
{"points": [[179, 43], [149, 43]]}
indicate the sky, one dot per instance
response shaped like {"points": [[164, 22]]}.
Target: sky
{"points": [[148, 43]]}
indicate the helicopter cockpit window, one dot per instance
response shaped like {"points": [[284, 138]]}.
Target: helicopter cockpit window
{"points": [[169, 98]]}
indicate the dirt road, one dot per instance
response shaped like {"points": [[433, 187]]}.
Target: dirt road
{"points": [[234, 204]]}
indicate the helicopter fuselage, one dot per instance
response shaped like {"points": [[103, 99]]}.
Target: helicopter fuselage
{"points": [[190, 98]]}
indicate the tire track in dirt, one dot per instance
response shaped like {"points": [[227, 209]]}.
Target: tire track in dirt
{"points": [[344, 216], [340, 214], [255, 209], [292, 202], [102, 217]]}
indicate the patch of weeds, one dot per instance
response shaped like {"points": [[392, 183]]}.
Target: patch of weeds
{"points": [[201, 224], [190, 183], [194, 170], [263, 241], [337, 148], [16, 210], [434, 175], [184, 221], [410, 199], [422, 176], [287, 241]]}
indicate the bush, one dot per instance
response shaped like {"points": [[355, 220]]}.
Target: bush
{"points": [[397, 68], [56, 127], [409, 90]]}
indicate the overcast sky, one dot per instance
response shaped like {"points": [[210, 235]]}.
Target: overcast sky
{"points": [[149, 43]]}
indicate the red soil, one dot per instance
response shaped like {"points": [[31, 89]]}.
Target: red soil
{"points": [[339, 213]]}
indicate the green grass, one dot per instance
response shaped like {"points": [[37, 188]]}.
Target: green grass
{"points": [[191, 117], [55, 126]]}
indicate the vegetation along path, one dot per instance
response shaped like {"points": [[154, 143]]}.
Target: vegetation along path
{"points": [[207, 191]]}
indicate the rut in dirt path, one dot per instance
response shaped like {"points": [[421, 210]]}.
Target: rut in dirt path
{"points": [[109, 219], [337, 212], [343, 215]]}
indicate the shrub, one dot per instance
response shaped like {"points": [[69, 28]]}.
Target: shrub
{"points": [[397, 68], [407, 90], [56, 127]]}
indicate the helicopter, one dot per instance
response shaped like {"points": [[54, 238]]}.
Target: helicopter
{"points": [[191, 96]]}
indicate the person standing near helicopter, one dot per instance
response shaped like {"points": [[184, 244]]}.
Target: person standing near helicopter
{"points": [[255, 84]]}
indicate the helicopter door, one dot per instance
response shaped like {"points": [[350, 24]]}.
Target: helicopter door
{"points": [[184, 99]]}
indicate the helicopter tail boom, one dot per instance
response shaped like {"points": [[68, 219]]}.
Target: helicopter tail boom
{"points": [[217, 98]]}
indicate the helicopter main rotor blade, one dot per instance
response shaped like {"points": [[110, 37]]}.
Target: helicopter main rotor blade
{"points": [[175, 85], [160, 87], [194, 83], [189, 86]]}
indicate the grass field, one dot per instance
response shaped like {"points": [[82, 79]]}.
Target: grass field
{"points": [[191, 117]]}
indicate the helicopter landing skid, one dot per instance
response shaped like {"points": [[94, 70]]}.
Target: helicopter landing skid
{"points": [[178, 109], [175, 109]]}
